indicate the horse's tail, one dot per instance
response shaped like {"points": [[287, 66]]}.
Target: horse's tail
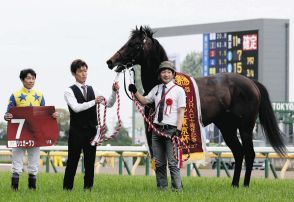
{"points": [[269, 123]]}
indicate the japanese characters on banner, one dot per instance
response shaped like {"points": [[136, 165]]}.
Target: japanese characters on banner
{"points": [[235, 52], [191, 133], [32, 127]]}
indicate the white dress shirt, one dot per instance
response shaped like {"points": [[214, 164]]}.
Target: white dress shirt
{"points": [[72, 102], [176, 94]]}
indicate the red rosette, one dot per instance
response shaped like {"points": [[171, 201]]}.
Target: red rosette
{"points": [[169, 102]]}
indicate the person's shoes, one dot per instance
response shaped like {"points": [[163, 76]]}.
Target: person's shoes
{"points": [[162, 188], [177, 189], [32, 182], [14, 181]]}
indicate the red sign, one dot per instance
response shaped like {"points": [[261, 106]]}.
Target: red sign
{"points": [[32, 127]]}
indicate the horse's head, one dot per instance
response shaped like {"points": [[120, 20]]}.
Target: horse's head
{"points": [[132, 52]]}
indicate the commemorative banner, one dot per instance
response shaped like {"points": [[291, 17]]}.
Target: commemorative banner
{"points": [[191, 128], [32, 127]]}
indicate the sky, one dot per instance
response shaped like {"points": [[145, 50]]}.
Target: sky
{"points": [[48, 35]]}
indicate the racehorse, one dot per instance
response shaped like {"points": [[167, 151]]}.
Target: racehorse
{"points": [[231, 101]]}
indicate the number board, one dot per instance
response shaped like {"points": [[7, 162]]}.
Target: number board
{"points": [[235, 52], [32, 127]]}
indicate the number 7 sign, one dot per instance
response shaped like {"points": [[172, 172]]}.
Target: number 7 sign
{"points": [[32, 127], [20, 122]]}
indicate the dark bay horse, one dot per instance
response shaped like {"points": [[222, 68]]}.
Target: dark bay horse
{"points": [[231, 101]]}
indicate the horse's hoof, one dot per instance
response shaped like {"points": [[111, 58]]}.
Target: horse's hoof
{"points": [[235, 186], [246, 186]]}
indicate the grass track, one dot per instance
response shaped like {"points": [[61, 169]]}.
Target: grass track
{"points": [[141, 188]]}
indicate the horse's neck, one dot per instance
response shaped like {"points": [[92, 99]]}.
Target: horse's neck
{"points": [[149, 75], [150, 65]]}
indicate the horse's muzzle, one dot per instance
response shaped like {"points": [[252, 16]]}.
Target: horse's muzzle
{"points": [[110, 64]]}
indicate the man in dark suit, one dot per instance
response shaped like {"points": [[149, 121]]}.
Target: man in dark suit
{"points": [[81, 100]]}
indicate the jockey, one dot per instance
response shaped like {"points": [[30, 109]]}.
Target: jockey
{"points": [[25, 97]]}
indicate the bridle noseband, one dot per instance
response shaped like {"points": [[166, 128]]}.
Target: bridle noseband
{"points": [[130, 60]]}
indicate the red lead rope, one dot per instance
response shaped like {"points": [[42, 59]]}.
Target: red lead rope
{"points": [[177, 142], [100, 137]]}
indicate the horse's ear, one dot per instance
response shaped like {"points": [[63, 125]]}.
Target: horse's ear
{"points": [[136, 28], [141, 28]]}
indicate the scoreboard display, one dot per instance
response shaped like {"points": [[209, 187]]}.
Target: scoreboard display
{"points": [[234, 52]]}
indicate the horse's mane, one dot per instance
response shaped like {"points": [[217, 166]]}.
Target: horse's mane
{"points": [[150, 62], [158, 53], [143, 30]]}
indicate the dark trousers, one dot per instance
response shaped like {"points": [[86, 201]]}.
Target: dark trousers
{"points": [[79, 140], [163, 153]]}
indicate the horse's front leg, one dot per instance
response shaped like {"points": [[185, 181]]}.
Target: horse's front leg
{"points": [[148, 131], [149, 139]]}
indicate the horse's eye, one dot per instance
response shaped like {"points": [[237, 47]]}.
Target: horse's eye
{"points": [[132, 45], [136, 46]]}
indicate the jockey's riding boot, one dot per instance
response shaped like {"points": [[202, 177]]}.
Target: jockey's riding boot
{"points": [[32, 181], [14, 181]]}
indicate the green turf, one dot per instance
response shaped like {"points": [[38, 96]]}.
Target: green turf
{"points": [[142, 188]]}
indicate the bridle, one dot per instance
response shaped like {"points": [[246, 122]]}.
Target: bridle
{"points": [[130, 61]]}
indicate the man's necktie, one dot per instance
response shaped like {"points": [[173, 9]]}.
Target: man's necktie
{"points": [[161, 105], [84, 91]]}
